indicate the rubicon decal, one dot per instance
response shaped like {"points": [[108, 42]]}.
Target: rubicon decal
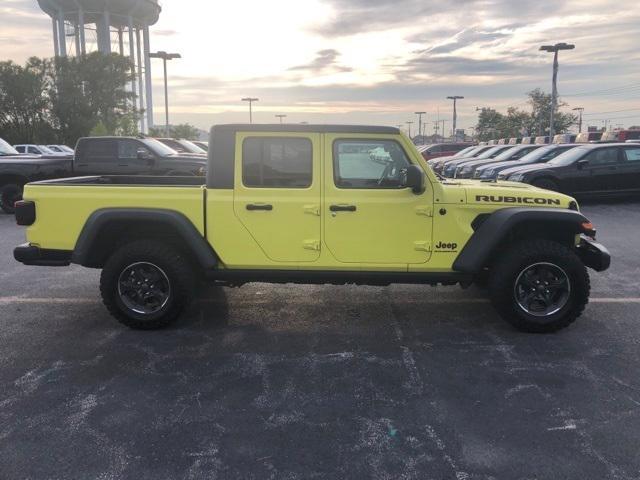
{"points": [[505, 199]]}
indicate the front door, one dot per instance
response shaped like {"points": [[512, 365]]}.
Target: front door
{"points": [[600, 171], [369, 217], [277, 193]]}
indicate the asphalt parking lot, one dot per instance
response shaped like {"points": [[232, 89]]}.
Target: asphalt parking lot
{"points": [[320, 381]]}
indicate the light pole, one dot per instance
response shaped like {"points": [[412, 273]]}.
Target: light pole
{"points": [[420, 126], [280, 116], [250, 100], [455, 98], [579, 109], [554, 82], [165, 56], [409, 127]]}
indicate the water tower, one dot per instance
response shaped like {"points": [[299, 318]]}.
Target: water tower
{"points": [[84, 26]]}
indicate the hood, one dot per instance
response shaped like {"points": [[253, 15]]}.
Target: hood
{"points": [[533, 167], [190, 157], [512, 194]]}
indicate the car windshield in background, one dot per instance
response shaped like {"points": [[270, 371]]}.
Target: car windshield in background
{"points": [[6, 149], [45, 149], [512, 154], [567, 158], [463, 152], [194, 148], [158, 147]]}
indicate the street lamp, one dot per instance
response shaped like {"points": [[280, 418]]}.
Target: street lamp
{"points": [[280, 116], [579, 109], [455, 98], [409, 125], [554, 82], [420, 126], [250, 100], [165, 56]]}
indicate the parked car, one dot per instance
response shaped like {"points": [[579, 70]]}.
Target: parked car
{"points": [[443, 149], [543, 153], [40, 150], [61, 149], [541, 140], [468, 169], [203, 145], [620, 135], [587, 170], [182, 146], [450, 168], [586, 137], [437, 164], [564, 138], [96, 156], [336, 218]]}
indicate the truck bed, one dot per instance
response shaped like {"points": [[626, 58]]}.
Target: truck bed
{"points": [[64, 205]]}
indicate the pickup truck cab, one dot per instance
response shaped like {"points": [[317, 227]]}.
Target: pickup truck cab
{"points": [[95, 156], [313, 204]]}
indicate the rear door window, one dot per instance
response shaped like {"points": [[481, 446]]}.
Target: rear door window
{"points": [[277, 162]]}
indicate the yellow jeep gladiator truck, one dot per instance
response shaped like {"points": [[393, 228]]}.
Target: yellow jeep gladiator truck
{"points": [[319, 204]]}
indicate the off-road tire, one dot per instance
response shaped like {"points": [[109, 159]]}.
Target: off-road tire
{"points": [[547, 184], [507, 269], [9, 194], [174, 264]]}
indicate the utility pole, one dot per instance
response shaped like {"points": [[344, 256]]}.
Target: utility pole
{"points": [[409, 125], [250, 100], [455, 98], [554, 82], [579, 109], [443, 121], [280, 116], [165, 56], [420, 126]]}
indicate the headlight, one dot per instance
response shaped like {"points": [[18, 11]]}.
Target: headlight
{"points": [[502, 176], [485, 173], [516, 177]]}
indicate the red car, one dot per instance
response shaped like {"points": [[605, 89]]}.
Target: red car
{"points": [[441, 149]]}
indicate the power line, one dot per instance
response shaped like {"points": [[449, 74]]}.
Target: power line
{"points": [[607, 91], [613, 111]]}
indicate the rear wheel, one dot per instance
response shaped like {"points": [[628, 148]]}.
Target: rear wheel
{"points": [[539, 286], [147, 284], [9, 195], [547, 184]]}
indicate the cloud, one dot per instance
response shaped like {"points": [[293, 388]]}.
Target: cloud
{"points": [[326, 60]]}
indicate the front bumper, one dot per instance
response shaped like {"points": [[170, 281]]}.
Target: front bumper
{"points": [[593, 254], [32, 255]]}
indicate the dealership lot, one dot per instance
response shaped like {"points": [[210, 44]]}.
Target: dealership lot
{"points": [[319, 381]]}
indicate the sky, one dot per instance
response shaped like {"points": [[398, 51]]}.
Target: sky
{"points": [[375, 61]]}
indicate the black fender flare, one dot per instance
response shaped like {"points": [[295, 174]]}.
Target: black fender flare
{"points": [[84, 251], [497, 225]]}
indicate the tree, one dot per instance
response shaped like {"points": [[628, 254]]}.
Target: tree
{"points": [[517, 122], [183, 130], [24, 112]]}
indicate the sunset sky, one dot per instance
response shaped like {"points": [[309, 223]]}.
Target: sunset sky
{"points": [[375, 61]]}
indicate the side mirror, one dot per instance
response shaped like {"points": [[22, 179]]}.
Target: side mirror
{"points": [[414, 179], [582, 163]]}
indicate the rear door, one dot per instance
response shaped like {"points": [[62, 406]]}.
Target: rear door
{"points": [[601, 173], [369, 217], [277, 193], [629, 169]]}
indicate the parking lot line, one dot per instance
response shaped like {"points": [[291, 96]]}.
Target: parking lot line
{"points": [[71, 300]]}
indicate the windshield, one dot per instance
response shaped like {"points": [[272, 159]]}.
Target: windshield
{"points": [[567, 158], [64, 148], [6, 149], [462, 153], [513, 153], [492, 152], [158, 147], [193, 148], [46, 149]]}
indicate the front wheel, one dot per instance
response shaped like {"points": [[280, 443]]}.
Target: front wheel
{"points": [[146, 284], [9, 195], [539, 286]]}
